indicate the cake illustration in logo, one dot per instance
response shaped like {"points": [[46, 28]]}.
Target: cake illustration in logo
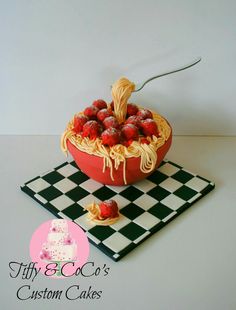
{"points": [[59, 246]]}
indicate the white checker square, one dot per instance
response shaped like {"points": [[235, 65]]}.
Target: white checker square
{"points": [[144, 185], [170, 184], [197, 184], [123, 221], [84, 222], [67, 170], [91, 185], [173, 202], [116, 242], [62, 202], [146, 220], [121, 201], [168, 169], [87, 200], [145, 202], [65, 185], [38, 185]]}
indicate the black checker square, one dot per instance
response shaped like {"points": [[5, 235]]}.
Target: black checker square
{"points": [[161, 211], [74, 211], [50, 193], [185, 192], [131, 211], [158, 193], [182, 176], [101, 232], [104, 193], [53, 177], [132, 231], [78, 177], [77, 193], [131, 193], [141, 205], [157, 177]]}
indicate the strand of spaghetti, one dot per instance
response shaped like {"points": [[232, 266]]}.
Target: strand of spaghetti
{"points": [[146, 162], [117, 154], [66, 135], [124, 172], [107, 160], [148, 158]]}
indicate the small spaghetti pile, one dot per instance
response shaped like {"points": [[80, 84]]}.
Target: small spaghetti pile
{"points": [[105, 213]]}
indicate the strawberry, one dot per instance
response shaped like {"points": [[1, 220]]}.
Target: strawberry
{"points": [[132, 109], [79, 121], [91, 112], [103, 113], [130, 132], [149, 127], [100, 104], [91, 129], [144, 113], [110, 136], [110, 121], [108, 209], [134, 119]]}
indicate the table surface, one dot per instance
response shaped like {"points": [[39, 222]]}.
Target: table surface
{"points": [[189, 264]]}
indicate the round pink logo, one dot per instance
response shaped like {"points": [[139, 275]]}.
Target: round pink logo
{"points": [[59, 247]]}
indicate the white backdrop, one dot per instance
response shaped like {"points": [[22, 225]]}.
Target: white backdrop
{"points": [[57, 56]]}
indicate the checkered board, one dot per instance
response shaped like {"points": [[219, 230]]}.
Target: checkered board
{"points": [[145, 206]]}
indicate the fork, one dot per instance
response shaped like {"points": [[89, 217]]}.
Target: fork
{"points": [[139, 86]]}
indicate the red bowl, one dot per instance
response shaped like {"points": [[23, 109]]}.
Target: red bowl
{"points": [[92, 165]]}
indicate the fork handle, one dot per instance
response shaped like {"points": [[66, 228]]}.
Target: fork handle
{"points": [[169, 72]]}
